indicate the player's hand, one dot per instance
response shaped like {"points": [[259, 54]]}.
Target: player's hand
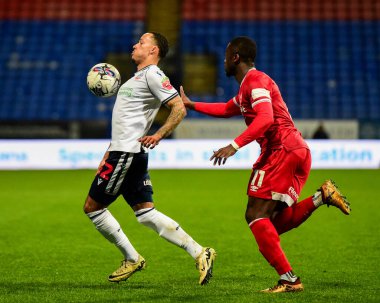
{"points": [[221, 155], [150, 141], [105, 157], [186, 101]]}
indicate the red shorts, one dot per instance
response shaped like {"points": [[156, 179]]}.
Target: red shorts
{"points": [[280, 175]]}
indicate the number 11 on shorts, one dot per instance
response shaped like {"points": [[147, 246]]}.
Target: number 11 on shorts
{"points": [[257, 182]]}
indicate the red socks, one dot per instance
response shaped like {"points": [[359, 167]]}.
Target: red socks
{"points": [[293, 216], [269, 244], [267, 232]]}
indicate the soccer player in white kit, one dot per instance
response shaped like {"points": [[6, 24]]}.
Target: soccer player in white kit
{"points": [[124, 167]]}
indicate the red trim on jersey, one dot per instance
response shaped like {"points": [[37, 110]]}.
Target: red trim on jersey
{"points": [[263, 120], [219, 110]]}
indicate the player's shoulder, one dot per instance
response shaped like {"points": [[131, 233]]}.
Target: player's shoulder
{"points": [[154, 71], [259, 75], [258, 78]]}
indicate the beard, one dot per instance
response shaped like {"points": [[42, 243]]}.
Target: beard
{"points": [[230, 70]]}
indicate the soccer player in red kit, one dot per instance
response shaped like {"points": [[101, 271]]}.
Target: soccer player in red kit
{"points": [[284, 163]]}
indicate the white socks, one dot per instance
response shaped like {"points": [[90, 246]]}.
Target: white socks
{"points": [[107, 225], [168, 229], [289, 276], [317, 199]]}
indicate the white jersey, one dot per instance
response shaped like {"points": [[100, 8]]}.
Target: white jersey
{"points": [[136, 106]]}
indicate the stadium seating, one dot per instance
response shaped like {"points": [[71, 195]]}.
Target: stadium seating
{"points": [[49, 46], [324, 55]]}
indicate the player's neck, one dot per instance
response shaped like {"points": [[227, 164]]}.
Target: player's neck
{"points": [[242, 70], [145, 63]]}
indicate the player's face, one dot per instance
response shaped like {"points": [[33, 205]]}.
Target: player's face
{"points": [[143, 48], [229, 64]]}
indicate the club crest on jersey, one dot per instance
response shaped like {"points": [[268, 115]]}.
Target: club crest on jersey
{"points": [[138, 76], [242, 109], [166, 83]]}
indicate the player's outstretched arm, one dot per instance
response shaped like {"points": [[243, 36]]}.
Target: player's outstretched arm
{"points": [[185, 99], [218, 110], [177, 113]]}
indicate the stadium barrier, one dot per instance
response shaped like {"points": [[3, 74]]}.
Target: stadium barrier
{"points": [[178, 154], [219, 129]]}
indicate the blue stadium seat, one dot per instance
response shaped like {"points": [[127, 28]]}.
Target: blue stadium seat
{"points": [[318, 56], [316, 63], [45, 64]]}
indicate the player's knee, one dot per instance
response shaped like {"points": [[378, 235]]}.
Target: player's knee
{"points": [[145, 213], [251, 215], [86, 207], [90, 205], [145, 219], [248, 217], [141, 219]]}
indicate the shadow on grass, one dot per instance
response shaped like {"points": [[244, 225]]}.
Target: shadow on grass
{"points": [[98, 292], [64, 286]]}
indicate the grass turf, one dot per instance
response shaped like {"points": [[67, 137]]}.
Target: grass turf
{"points": [[50, 252]]}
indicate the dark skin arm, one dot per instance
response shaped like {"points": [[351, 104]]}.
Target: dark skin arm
{"points": [[222, 154]]}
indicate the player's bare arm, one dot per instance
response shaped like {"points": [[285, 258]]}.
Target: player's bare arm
{"points": [[101, 164], [177, 113], [186, 101], [222, 154]]}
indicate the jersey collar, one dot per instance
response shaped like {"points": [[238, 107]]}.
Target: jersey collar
{"points": [[252, 68], [145, 67]]}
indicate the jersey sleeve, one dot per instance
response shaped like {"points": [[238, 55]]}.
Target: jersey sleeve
{"points": [[160, 86], [259, 90], [219, 110], [258, 126]]}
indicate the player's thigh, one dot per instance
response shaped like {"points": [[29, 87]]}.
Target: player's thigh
{"points": [[278, 176], [137, 187], [106, 185], [303, 169]]}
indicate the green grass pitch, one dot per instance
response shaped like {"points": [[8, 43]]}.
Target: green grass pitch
{"points": [[50, 252]]}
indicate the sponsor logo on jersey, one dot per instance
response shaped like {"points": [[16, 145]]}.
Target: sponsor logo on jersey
{"points": [[126, 91], [166, 83], [293, 193], [100, 181]]}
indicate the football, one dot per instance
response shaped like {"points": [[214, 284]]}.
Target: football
{"points": [[103, 80]]}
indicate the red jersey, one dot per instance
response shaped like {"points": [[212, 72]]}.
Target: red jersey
{"points": [[255, 89]]}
